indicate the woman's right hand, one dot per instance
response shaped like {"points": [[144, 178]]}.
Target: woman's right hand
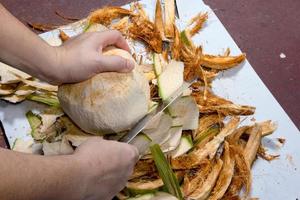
{"points": [[105, 167]]}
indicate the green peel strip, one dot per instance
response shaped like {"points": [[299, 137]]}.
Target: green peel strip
{"points": [[211, 131], [165, 171], [41, 98]]}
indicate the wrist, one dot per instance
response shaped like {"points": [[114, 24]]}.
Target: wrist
{"points": [[45, 63], [51, 66]]}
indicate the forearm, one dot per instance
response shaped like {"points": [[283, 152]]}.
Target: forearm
{"points": [[35, 177], [23, 49]]}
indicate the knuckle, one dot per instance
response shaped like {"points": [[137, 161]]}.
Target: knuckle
{"points": [[133, 153], [129, 152], [88, 34], [94, 35], [117, 34]]}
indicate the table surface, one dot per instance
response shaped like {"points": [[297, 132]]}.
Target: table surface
{"points": [[262, 29]]}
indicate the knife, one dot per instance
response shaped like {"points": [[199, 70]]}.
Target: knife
{"points": [[140, 126], [176, 10]]}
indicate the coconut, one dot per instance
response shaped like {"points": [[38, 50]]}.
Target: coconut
{"points": [[109, 102]]}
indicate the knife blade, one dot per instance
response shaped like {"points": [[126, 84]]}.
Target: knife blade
{"points": [[176, 10], [175, 7], [155, 113]]}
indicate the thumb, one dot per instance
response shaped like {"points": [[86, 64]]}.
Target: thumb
{"points": [[114, 64]]}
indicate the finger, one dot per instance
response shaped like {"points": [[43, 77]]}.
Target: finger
{"points": [[131, 155], [113, 64], [89, 141], [136, 152], [112, 37]]}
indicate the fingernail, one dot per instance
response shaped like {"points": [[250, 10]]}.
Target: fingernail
{"points": [[129, 65]]}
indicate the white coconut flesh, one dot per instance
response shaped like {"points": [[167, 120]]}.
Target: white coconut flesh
{"points": [[109, 102]]}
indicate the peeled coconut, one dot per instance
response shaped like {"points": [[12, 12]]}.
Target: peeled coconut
{"points": [[109, 102]]}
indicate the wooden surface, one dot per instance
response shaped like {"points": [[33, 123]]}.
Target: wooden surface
{"points": [[262, 29]]}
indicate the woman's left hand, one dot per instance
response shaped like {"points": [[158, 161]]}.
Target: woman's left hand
{"points": [[81, 57]]}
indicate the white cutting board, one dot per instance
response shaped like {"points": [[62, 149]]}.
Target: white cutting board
{"points": [[279, 179]]}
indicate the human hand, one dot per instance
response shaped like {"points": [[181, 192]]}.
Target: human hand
{"points": [[105, 167], [81, 57]]}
